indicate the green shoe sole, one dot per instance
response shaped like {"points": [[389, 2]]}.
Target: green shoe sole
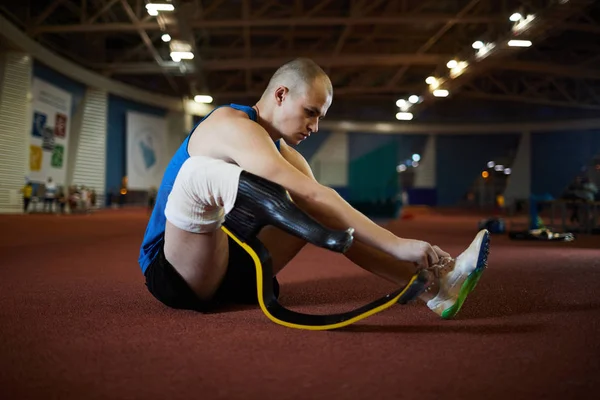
{"points": [[471, 281]]}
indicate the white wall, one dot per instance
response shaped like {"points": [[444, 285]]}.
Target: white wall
{"points": [[15, 122], [330, 162]]}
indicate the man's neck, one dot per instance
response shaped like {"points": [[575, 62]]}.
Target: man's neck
{"points": [[264, 118]]}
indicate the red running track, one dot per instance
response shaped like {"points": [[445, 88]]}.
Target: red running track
{"points": [[77, 323]]}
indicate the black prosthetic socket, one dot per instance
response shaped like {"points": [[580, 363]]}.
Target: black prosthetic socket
{"points": [[261, 202]]}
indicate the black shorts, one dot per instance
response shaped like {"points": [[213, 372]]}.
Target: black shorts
{"points": [[238, 285]]}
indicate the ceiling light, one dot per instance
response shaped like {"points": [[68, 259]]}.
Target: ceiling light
{"points": [[491, 164], [166, 37], [441, 93], [201, 98], [452, 64], [181, 55], [160, 7], [515, 17], [401, 103], [519, 43], [460, 66], [499, 168], [523, 23], [507, 171], [404, 116], [152, 12], [401, 168], [485, 50], [430, 80], [414, 164], [416, 157], [477, 45], [414, 99]]}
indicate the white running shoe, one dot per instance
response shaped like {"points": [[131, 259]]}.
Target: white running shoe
{"points": [[456, 284]]}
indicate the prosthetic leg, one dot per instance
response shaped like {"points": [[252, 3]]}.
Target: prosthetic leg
{"points": [[259, 203]]}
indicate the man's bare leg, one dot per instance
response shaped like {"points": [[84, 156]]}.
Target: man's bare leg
{"points": [[200, 258]]}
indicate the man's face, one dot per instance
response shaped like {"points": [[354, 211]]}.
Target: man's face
{"points": [[299, 113]]}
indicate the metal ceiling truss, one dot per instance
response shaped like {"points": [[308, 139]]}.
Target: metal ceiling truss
{"points": [[549, 21], [536, 89], [382, 48]]}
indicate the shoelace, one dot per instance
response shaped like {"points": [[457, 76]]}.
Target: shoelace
{"points": [[442, 267], [438, 270]]}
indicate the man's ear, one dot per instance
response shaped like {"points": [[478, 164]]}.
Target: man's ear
{"points": [[280, 94]]}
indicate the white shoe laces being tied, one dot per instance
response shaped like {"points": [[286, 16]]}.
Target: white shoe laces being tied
{"points": [[439, 270], [445, 265]]}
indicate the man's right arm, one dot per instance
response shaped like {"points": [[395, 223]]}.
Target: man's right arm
{"points": [[253, 150]]}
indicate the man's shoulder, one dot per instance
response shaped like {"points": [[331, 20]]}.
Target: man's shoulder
{"points": [[224, 133], [227, 114]]}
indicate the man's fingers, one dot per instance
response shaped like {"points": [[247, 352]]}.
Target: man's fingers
{"points": [[432, 256], [441, 253]]}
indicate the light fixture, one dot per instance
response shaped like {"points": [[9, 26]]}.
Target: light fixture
{"points": [[152, 11], [201, 98], [519, 43], [401, 168], [166, 37], [160, 7], [180, 50], [478, 45], [515, 17], [499, 168], [181, 55], [441, 93], [523, 23], [415, 164], [485, 174], [452, 64], [484, 50], [430, 80], [507, 171], [414, 99], [491, 164], [404, 116], [416, 157], [458, 69], [400, 103]]}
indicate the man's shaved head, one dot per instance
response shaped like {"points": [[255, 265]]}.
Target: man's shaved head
{"points": [[298, 75], [296, 98]]}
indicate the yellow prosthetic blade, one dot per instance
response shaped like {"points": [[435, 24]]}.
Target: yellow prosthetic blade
{"points": [[292, 319]]}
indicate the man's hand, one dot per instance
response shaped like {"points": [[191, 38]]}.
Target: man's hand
{"points": [[419, 252]]}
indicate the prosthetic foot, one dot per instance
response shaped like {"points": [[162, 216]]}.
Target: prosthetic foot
{"points": [[259, 203]]}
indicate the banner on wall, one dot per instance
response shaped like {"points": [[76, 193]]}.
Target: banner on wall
{"points": [[146, 150], [48, 147]]}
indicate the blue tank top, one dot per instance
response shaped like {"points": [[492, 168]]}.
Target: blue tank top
{"points": [[155, 230]]}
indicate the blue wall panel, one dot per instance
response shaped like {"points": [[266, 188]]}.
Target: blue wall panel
{"points": [[461, 158], [558, 157]]}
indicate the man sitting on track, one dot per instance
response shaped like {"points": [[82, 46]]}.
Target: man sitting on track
{"points": [[189, 263]]}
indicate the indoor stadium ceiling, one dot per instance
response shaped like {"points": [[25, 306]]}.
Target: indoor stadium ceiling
{"points": [[375, 51]]}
